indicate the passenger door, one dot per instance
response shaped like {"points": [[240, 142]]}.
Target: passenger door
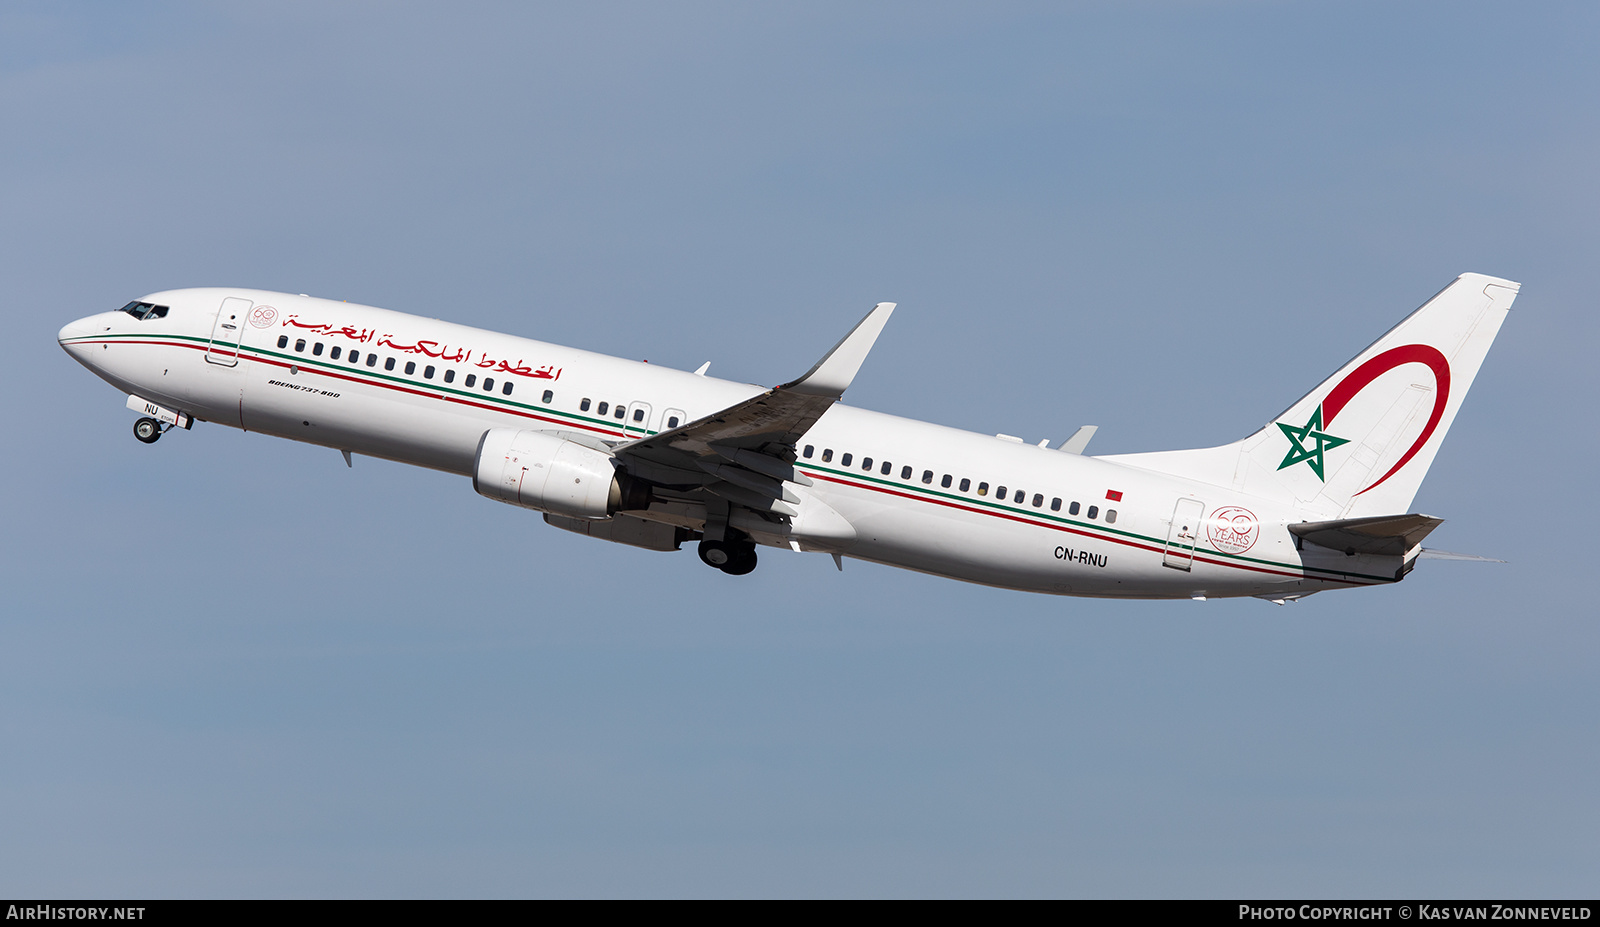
{"points": [[227, 330], [1182, 534]]}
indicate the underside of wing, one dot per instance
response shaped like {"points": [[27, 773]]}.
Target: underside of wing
{"points": [[769, 425]]}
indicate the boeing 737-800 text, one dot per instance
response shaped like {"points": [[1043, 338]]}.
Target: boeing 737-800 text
{"points": [[640, 454]]}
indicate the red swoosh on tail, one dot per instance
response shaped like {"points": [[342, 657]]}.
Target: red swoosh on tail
{"points": [[1380, 365]]}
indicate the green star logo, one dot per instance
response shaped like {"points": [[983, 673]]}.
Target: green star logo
{"points": [[1311, 433]]}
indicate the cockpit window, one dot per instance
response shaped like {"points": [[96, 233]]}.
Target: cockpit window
{"points": [[142, 311]]}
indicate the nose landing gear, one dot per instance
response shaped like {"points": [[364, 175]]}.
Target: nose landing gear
{"points": [[157, 420], [736, 558]]}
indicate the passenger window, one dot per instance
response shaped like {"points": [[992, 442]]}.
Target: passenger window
{"points": [[672, 422], [549, 397], [1055, 504], [372, 359], [388, 363], [334, 352], [887, 468], [355, 356], [866, 464], [844, 461], [946, 481], [471, 380], [299, 345], [1038, 500], [1111, 516], [427, 372], [449, 375], [1094, 510], [638, 415], [1072, 509], [619, 413], [584, 405], [411, 367], [927, 476], [966, 484], [807, 452], [283, 341], [316, 349], [905, 473], [603, 408], [827, 454], [488, 384], [1000, 494], [983, 489], [506, 390]]}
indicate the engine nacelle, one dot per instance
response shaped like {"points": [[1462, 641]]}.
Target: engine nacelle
{"points": [[625, 529], [541, 471]]}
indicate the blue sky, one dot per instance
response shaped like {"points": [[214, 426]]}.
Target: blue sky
{"points": [[231, 667]]}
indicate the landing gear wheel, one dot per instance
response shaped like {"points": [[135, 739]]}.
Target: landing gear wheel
{"points": [[147, 430], [732, 558], [743, 562], [716, 553]]}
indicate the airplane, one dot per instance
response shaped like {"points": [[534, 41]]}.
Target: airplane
{"points": [[654, 457]]}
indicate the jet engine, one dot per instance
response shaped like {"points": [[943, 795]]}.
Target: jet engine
{"points": [[541, 471]]}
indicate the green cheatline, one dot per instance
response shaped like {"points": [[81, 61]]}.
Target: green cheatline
{"points": [[1310, 456], [995, 507], [1316, 422]]}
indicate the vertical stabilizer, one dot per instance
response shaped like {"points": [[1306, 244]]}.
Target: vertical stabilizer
{"points": [[1360, 443]]}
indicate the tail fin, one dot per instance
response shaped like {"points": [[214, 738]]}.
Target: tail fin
{"points": [[1361, 443]]}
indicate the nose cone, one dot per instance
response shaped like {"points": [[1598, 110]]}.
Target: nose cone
{"points": [[74, 336], [71, 331]]}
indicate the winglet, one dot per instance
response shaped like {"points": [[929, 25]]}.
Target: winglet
{"points": [[1079, 440], [833, 374]]}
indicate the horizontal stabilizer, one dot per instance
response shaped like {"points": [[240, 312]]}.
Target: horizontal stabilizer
{"points": [[1380, 534]]}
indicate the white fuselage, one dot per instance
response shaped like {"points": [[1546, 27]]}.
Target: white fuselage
{"points": [[422, 391]]}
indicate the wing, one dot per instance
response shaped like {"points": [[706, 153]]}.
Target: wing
{"points": [[745, 452]]}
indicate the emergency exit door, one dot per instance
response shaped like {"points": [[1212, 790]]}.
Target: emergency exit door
{"points": [[637, 424]]}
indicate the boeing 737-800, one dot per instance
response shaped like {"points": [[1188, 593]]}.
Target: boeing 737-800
{"points": [[653, 457]]}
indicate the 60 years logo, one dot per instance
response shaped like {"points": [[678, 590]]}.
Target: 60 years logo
{"points": [[1233, 530], [263, 316]]}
